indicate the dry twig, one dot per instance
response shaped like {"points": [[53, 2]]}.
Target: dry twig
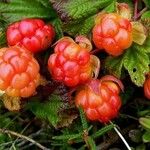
{"points": [[23, 137]]}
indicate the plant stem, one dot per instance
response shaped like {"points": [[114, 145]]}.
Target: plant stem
{"points": [[23, 137], [141, 12], [113, 137], [94, 51], [135, 9], [122, 138]]}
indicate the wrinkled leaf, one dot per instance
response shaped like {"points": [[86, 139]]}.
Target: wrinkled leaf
{"points": [[48, 110], [2, 31], [78, 9], [146, 46], [15, 10], [137, 64], [78, 16], [82, 27], [2, 37], [134, 60], [114, 65]]}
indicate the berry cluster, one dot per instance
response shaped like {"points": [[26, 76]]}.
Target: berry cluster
{"points": [[19, 70], [71, 63]]}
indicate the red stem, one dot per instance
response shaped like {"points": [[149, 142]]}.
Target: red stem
{"points": [[135, 9], [94, 51], [141, 12]]}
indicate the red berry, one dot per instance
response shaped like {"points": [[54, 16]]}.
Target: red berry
{"points": [[113, 34], [19, 72], [100, 99], [147, 88], [71, 62], [33, 34]]}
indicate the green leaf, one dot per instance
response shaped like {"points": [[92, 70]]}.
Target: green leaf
{"points": [[146, 46], [83, 119], [146, 137], [78, 16], [91, 143], [143, 113], [135, 60], [67, 137], [2, 37], [2, 31], [48, 110], [82, 27], [145, 122], [15, 10], [114, 65], [111, 7], [137, 64], [58, 28], [79, 9], [102, 131], [147, 3], [146, 15]]}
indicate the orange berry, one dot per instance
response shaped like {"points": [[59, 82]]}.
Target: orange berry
{"points": [[19, 72]]}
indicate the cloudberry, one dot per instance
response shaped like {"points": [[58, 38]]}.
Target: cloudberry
{"points": [[72, 63], [112, 33], [100, 98], [19, 72], [33, 34]]}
